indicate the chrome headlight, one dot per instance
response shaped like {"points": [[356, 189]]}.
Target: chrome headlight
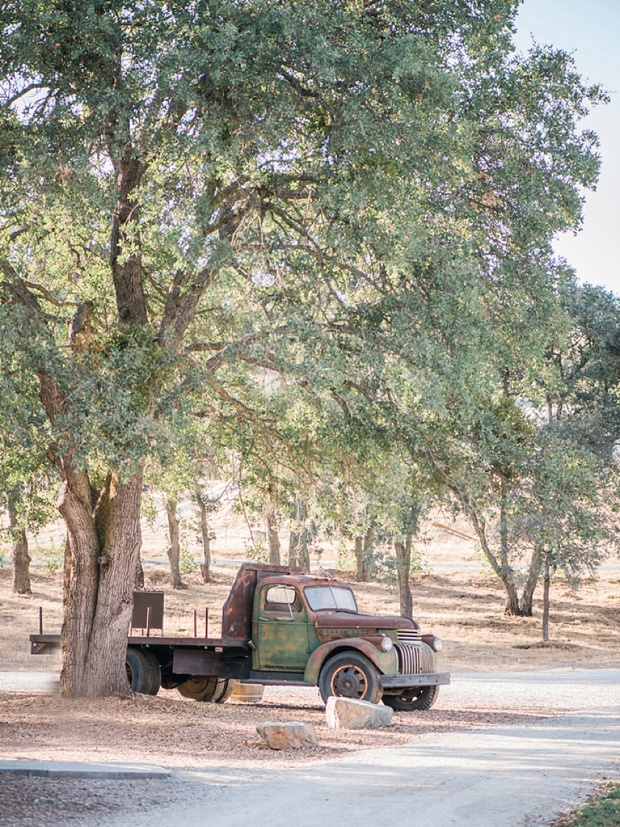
{"points": [[386, 643], [437, 644]]}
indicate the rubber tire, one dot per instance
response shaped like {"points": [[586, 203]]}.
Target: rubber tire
{"points": [[419, 698], [143, 672], [208, 690], [155, 671], [360, 665], [225, 692]]}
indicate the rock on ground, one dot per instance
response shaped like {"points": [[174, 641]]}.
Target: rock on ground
{"points": [[348, 713], [290, 735]]}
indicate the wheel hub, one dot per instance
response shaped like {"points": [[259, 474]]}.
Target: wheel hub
{"points": [[349, 682]]}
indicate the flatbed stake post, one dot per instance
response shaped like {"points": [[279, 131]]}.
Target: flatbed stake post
{"points": [[195, 620], [206, 622], [148, 621], [40, 620]]}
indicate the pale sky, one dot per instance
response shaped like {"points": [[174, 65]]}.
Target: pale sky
{"points": [[590, 30]]}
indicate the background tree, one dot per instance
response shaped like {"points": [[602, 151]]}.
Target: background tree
{"points": [[210, 471], [567, 513], [26, 492], [535, 471]]}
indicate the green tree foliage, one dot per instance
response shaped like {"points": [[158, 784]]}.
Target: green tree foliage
{"points": [[359, 197], [535, 470]]}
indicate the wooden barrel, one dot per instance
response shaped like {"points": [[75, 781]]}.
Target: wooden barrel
{"points": [[247, 693]]}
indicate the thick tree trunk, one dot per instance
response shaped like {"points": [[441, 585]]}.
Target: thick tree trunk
{"points": [[103, 546], [512, 607], [545, 614], [403, 570], [103, 533], [21, 558], [205, 567], [174, 550]]}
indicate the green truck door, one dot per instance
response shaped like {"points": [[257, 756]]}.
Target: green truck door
{"points": [[282, 639]]}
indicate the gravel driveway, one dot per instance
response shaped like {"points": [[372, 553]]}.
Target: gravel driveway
{"points": [[513, 776]]}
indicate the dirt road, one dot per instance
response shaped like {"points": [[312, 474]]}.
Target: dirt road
{"points": [[514, 776]]}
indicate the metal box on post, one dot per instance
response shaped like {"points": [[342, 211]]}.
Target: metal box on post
{"points": [[148, 610]]}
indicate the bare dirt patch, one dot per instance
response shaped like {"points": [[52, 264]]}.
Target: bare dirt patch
{"points": [[180, 733]]}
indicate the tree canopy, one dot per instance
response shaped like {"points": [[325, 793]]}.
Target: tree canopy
{"points": [[358, 198]]}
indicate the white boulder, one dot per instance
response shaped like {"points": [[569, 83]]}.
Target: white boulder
{"points": [[348, 713], [290, 735]]}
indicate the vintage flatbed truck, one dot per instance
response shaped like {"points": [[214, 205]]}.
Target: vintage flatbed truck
{"points": [[282, 627]]}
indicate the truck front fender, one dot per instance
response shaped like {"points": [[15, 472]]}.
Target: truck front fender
{"points": [[386, 662]]}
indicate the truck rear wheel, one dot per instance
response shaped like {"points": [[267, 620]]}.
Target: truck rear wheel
{"points": [[416, 698], [350, 675], [143, 671], [155, 670], [210, 690]]}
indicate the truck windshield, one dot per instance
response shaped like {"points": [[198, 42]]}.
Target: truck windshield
{"points": [[330, 597]]}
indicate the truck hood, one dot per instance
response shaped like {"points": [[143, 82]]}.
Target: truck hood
{"points": [[365, 623]]}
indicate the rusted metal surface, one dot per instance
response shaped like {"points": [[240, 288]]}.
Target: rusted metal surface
{"points": [[414, 659], [370, 627], [209, 663], [143, 640], [271, 635], [44, 644], [386, 662], [281, 642], [200, 642], [279, 678], [420, 679], [206, 623], [196, 662], [39, 647], [237, 609], [359, 623], [148, 610]]}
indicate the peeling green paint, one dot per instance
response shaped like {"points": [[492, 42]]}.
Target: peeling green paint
{"points": [[386, 662]]}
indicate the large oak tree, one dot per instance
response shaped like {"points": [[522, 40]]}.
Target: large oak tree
{"points": [[359, 195]]}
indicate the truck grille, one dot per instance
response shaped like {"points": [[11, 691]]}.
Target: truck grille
{"points": [[408, 636], [414, 659]]}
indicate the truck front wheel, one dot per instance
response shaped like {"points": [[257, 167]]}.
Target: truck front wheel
{"points": [[416, 698], [350, 675]]}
